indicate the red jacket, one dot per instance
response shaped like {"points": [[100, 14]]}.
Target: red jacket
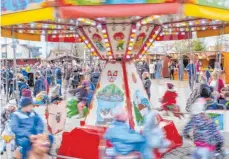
{"points": [[169, 98]]}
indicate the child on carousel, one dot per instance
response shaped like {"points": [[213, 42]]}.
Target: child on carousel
{"points": [[207, 137], [6, 133], [126, 141], [25, 123], [169, 102]]}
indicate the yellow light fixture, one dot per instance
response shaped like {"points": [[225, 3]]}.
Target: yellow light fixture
{"points": [[107, 44], [83, 38], [128, 52], [89, 45], [105, 36], [130, 44], [154, 36], [132, 35], [148, 44], [109, 53]]}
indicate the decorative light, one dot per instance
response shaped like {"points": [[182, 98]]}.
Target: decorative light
{"points": [[54, 32], [67, 35], [166, 26], [214, 27], [156, 16], [20, 26], [177, 33], [59, 20], [43, 32], [134, 30], [93, 23], [156, 32], [128, 56], [190, 23], [203, 28], [151, 40], [89, 45], [132, 35], [148, 44], [132, 39], [129, 48], [107, 44], [86, 41], [105, 35], [32, 25], [92, 49], [83, 38], [59, 27], [20, 31], [108, 49], [71, 21], [140, 56], [203, 21], [104, 31], [99, 26], [183, 33], [31, 31], [128, 52], [45, 25], [109, 53], [60, 36], [145, 48], [53, 36], [130, 44], [110, 57], [177, 25], [71, 28], [138, 24], [106, 40], [97, 57], [193, 29]]}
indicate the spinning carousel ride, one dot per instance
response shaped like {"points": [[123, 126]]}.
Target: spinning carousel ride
{"points": [[118, 34]]}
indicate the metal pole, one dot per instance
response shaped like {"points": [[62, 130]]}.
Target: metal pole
{"points": [[15, 64]]}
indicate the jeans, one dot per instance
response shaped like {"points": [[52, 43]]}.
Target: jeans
{"points": [[181, 75], [24, 146], [59, 81], [172, 74], [49, 80], [190, 81]]}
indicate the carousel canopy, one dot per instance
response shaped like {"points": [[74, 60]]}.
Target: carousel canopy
{"points": [[114, 29]]}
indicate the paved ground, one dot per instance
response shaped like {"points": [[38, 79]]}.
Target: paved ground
{"points": [[158, 88]]}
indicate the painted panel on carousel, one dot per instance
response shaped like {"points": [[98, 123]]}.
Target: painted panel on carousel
{"points": [[141, 36], [96, 37], [10, 6], [56, 116], [224, 4], [119, 37], [218, 119], [140, 102], [109, 95]]}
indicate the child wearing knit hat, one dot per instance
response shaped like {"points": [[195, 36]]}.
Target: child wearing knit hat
{"points": [[25, 123], [169, 102]]}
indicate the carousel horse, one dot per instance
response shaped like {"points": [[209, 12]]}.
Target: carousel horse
{"points": [[41, 145]]}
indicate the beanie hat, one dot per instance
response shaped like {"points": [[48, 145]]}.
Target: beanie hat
{"points": [[198, 107], [120, 114], [26, 93], [205, 92], [170, 86], [25, 101], [85, 83], [11, 103]]}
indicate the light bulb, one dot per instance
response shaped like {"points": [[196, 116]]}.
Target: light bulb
{"points": [[99, 26], [106, 40], [86, 41], [134, 30], [104, 31], [128, 56]]}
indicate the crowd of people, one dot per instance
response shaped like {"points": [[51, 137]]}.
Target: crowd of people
{"points": [[52, 81]]}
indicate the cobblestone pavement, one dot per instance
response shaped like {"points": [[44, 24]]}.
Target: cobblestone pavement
{"points": [[158, 88]]}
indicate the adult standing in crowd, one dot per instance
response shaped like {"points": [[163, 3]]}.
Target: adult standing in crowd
{"points": [[216, 82], [58, 75], [197, 65], [95, 76], [67, 75], [39, 83], [152, 69], [158, 68], [191, 69], [147, 83], [171, 70], [181, 69]]}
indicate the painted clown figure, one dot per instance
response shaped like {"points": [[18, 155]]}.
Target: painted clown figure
{"points": [[119, 36]]}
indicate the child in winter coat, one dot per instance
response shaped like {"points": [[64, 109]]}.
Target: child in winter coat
{"points": [[205, 93], [6, 133], [55, 98], [123, 139], [5, 115], [24, 124], [207, 137], [154, 135], [169, 102]]}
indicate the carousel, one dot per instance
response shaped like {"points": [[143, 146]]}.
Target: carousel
{"points": [[117, 33]]}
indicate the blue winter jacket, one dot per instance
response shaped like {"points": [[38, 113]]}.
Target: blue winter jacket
{"points": [[191, 68], [95, 77], [26, 124], [123, 139], [39, 86]]}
